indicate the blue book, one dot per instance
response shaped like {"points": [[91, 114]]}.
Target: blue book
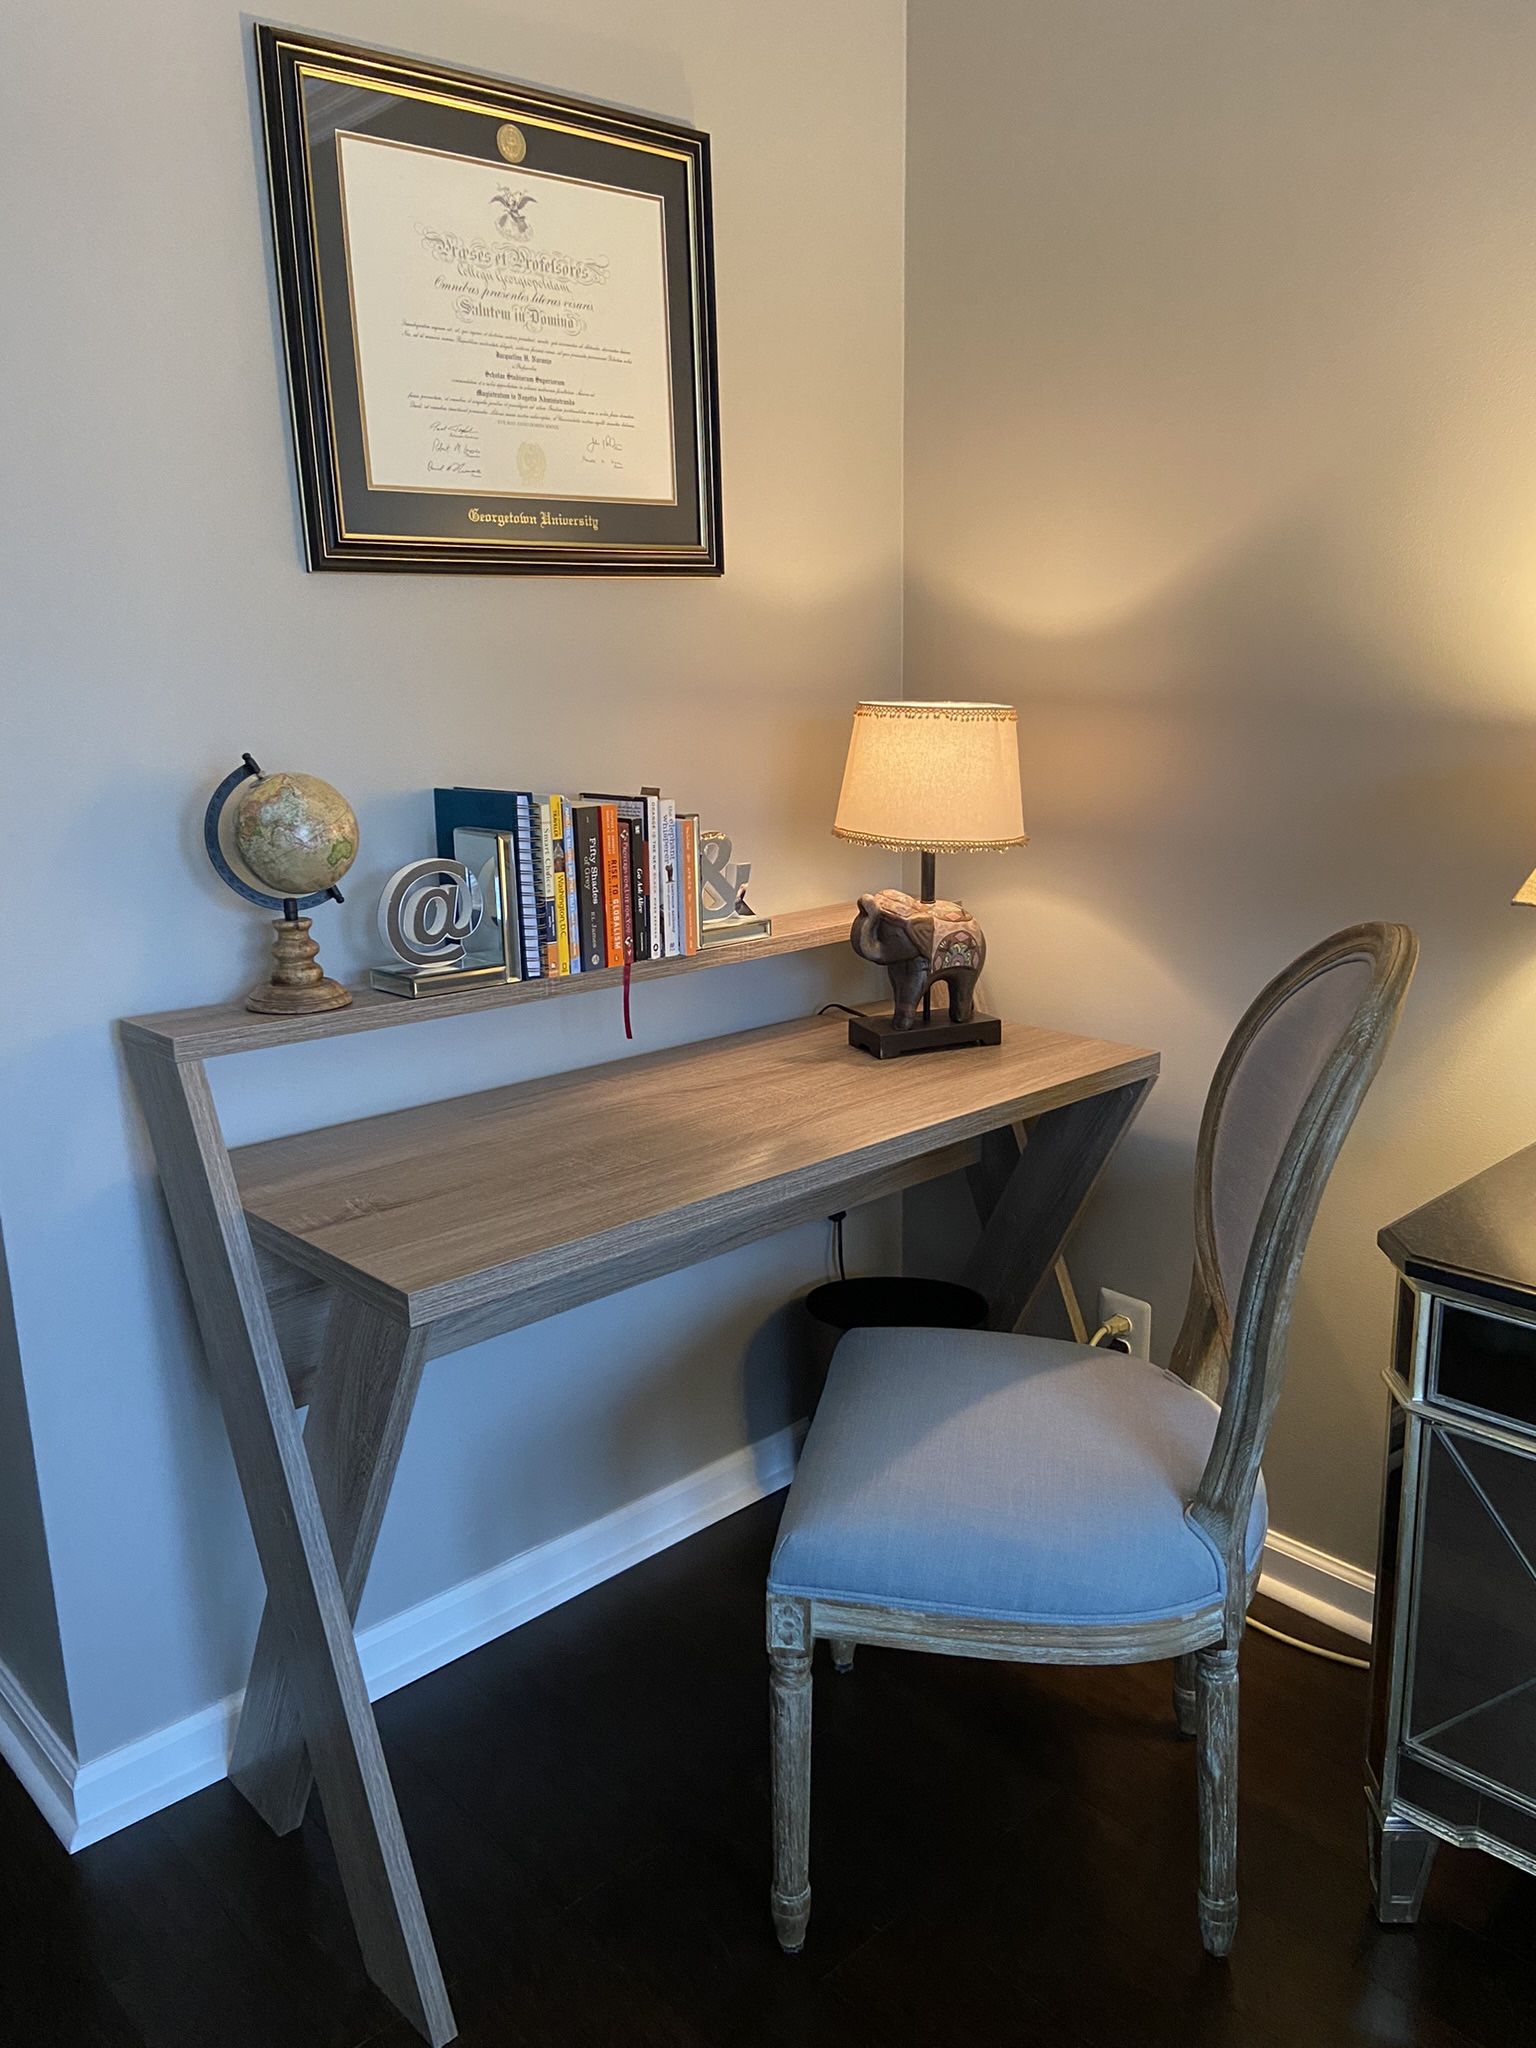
{"points": [[498, 810]]}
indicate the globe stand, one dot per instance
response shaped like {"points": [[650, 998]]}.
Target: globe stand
{"points": [[298, 987]]}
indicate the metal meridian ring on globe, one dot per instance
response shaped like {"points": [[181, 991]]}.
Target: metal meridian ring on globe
{"points": [[246, 772]]}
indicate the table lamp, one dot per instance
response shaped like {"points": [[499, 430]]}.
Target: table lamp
{"points": [[928, 779], [1526, 893]]}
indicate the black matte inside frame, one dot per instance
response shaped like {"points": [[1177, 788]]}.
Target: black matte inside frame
{"points": [[313, 89]]}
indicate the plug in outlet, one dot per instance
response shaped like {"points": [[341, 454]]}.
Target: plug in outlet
{"points": [[1139, 1313]]}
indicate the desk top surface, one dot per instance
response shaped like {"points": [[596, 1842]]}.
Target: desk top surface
{"points": [[483, 1194]]}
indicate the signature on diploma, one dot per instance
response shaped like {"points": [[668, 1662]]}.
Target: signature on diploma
{"points": [[606, 449], [455, 449]]}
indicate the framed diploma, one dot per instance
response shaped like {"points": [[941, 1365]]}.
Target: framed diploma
{"points": [[498, 314]]}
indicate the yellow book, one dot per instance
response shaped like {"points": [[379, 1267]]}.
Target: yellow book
{"points": [[562, 904]]}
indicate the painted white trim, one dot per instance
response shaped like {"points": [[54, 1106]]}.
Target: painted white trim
{"points": [[84, 1803], [38, 1754], [1341, 1596], [110, 1792]]}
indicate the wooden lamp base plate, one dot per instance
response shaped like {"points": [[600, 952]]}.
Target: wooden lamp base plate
{"points": [[887, 1041], [297, 988]]}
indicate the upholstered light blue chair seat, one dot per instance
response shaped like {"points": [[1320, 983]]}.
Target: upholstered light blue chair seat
{"points": [[1007, 1478]]}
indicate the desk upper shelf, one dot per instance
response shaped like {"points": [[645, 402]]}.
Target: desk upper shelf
{"points": [[220, 1028], [445, 1213]]}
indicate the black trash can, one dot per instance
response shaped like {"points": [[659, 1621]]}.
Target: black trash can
{"points": [[886, 1302]]}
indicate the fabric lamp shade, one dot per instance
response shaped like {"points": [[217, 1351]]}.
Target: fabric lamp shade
{"points": [[938, 778], [1526, 893]]}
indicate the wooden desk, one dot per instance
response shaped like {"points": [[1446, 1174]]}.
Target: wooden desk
{"points": [[390, 1240]]}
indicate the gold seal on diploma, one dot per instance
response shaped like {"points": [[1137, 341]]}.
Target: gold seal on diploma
{"points": [[531, 463], [511, 142]]}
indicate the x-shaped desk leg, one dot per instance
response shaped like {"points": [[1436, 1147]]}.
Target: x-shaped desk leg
{"points": [[1029, 1199], [360, 1415]]}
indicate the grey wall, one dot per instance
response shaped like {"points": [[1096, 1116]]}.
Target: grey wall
{"points": [[1221, 464], [160, 621]]}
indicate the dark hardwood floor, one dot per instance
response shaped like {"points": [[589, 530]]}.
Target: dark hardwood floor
{"points": [[999, 1855]]}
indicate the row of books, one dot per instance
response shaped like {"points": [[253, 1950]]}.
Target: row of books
{"points": [[582, 883]]}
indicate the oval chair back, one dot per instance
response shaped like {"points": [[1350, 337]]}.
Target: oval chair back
{"points": [[1283, 1098]]}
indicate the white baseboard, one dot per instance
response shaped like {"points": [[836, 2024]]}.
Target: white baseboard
{"points": [[83, 1803], [86, 1802], [1341, 1596], [38, 1754]]}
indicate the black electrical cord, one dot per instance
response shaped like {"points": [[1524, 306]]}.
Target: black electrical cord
{"points": [[847, 1009], [837, 1239]]}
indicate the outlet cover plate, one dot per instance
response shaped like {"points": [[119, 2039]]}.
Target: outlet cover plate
{"points": [[1140, 1314]]}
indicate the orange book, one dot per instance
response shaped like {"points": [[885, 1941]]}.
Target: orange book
{"points": [[688, 881], [613, 887]]}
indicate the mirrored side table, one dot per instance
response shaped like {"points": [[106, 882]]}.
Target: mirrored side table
{"points": [[1452, 1745]]}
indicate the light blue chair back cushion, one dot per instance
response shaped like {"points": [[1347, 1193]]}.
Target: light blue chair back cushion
{"points": [[1009, 1478]]}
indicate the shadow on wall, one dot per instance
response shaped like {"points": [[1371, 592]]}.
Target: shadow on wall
{"points": [[29, 1623], [1211, 784]]}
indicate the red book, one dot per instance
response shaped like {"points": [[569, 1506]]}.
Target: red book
{"points": [[615, 889], [627, 886]]}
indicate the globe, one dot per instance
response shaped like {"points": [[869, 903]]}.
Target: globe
{"points": [[295, 833]]}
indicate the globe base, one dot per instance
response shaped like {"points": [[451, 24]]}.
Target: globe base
{"points": [[298, 988]]}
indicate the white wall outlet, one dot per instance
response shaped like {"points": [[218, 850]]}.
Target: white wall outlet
{"points": [[1140, 1314]]}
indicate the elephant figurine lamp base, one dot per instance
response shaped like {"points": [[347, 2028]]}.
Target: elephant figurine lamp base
{"points": [[919, 945]]}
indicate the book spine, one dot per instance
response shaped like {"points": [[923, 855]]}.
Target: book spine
{"points": [[655, 832], [544, 886], [627, 886], [559, 901], [527, 893], [690, 880], [444, 820], [588, 826], [671, 895], [614, 890], [572, 887], [640, 882], [506, 907]]}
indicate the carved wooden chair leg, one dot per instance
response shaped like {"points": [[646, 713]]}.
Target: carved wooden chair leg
{"points": [[1184, 1693], [1216, 1764], [789, 1683], [842, 1653]]}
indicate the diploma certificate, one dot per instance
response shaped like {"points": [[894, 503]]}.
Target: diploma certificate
{"points": [[498, 319], [510, 328]]}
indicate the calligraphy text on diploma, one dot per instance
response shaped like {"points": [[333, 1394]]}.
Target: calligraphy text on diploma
{"points": [[510, 328]]}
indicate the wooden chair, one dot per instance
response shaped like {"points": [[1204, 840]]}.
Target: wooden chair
{"points": [[981, 1494]]}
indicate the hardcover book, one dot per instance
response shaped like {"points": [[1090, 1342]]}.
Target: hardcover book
{"points": [[671, 895], [559, 901], [544, 885], [627, 887], [688, 826], [498, 810], [657, 901], [633, 810], [613, 887], [572, 888], [590, 916]]}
